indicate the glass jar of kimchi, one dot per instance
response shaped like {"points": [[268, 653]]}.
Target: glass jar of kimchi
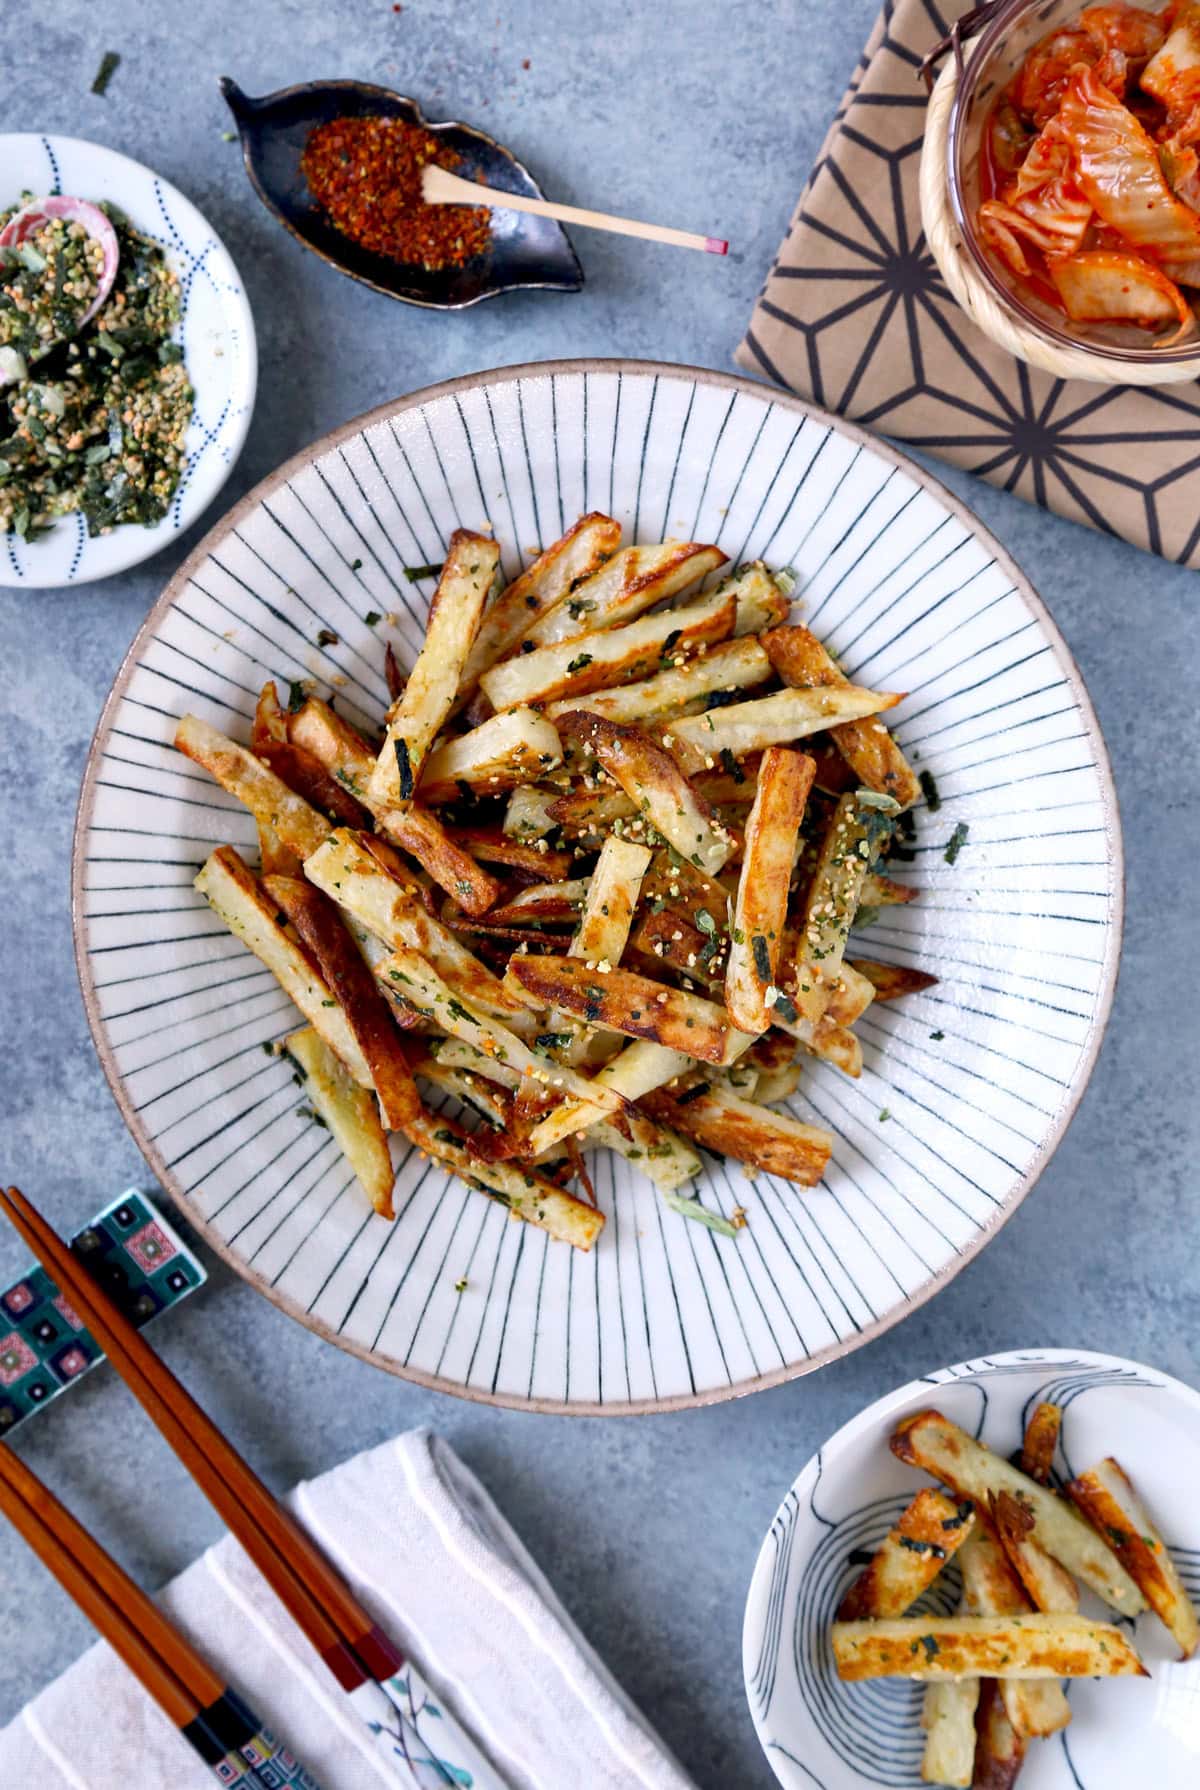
{"points": [[1073, 170]]}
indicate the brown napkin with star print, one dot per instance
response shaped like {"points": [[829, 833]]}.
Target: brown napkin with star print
{"points": [[855, 316]]}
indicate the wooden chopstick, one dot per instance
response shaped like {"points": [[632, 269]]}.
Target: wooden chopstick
{"points": [[308, 1585], [440, 187], [178, 1679], [210, 1717]]}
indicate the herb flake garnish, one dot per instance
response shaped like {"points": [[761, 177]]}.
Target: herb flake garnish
{"points": [[110, 62], [956, 842], [933, 800], [414, 574]]}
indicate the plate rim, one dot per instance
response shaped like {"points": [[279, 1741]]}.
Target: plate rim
{"points": [[250, 358], [734, 383], [926, 1386]]}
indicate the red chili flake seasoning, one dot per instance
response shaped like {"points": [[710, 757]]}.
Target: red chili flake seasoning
{"points": [[365, 174]]}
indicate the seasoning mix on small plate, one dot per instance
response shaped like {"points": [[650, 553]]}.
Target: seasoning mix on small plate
{"points": [[95, 399], [365, 174]]}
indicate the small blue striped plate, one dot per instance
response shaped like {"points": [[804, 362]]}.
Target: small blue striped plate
{"points": [[821, 1734], [216, 332], [966, 1089]]}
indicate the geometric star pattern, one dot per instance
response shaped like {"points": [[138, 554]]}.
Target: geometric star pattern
{"points": [[855, 315]]}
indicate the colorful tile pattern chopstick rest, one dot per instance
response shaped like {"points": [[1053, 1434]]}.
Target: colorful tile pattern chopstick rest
{"points": [[140, 1260]]}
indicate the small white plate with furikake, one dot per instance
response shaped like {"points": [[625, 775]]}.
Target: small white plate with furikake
{"points": [[121, 411]]}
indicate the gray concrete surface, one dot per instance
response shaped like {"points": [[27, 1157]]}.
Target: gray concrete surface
{"points": [[705, 116]]}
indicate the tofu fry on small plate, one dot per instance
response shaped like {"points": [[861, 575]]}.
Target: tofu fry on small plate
{"points": [[1014, 1641]]}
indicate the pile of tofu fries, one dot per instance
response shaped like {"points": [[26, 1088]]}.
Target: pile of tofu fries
{"points": [[595, 882], [1023, 1548]]}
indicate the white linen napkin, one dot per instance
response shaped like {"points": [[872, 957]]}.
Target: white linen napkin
{"points": [[433, 1559]]}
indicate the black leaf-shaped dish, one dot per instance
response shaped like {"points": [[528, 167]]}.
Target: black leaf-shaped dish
{"points": [[525, 252]]}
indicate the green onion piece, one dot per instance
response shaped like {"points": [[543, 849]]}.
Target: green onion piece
{"points": [[691, 1208]]}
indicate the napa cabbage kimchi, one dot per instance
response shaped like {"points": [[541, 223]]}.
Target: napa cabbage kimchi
{"points": [[1090, 170]]}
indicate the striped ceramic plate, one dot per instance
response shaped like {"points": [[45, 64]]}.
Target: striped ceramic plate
{"points": [[965, 1090]]}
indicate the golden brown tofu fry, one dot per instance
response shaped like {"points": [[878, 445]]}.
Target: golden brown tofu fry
{"points": [[659, 1153], [419, 983], [761, 600], [722, 1121], [775, 720], [1048, 1585], [672, 940], [1108, 1499], [867, 746], [491, 1102], [1032, 1646], [584, 548], [623, 1002], [268, 798], [632, 581], [611, 656], [1041, 1439], [419, 714], [320, 930], [346, 755], [854, 833], [992, 1588], [589, 813], [351, 870], [502, 753], [930, 1441], [270, 724], [274, 857], [751, 976], [910, 1557], [238, 898], [633, 1072], [309, 778], [421, 834], [948, 1719], [554, 904], [526, 863], [735, 665], [852, 995], [999, 1749], [832, 1043], [349, 1112], [891, 981], [884, 891], [527, 1194], [613, 890], [656, 786]]}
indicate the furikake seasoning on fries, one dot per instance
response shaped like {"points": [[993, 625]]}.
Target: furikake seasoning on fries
{"points": [[1022, 1547], [596, 882]]}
